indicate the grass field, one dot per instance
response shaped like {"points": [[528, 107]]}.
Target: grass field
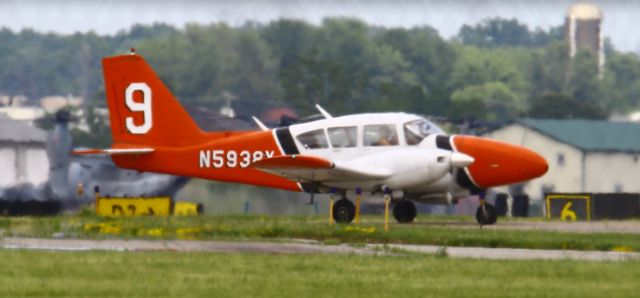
{"points": [[455, 231], [168, 274]]}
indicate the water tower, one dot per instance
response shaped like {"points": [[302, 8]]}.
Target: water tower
{"points": [[583, 25]]}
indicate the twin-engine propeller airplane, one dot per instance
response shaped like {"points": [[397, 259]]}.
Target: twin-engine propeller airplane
{"points": [[403, 154]]}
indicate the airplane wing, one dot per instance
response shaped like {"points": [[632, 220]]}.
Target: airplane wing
{"points": [[305, 168]]}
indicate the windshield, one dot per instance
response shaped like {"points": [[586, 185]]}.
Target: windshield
{"points": [[415, 131]]}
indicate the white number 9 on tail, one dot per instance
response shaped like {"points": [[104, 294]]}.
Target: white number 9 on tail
{"points": [[144, 107]]}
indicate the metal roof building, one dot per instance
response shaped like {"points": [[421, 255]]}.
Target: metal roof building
{"points": [[13, 131], [590, 135]]}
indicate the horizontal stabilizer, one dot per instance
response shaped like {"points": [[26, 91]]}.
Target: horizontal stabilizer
{"points": [[118, 151]]}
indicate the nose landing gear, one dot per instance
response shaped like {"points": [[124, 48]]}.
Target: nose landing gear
{"points": [[486, 214]]}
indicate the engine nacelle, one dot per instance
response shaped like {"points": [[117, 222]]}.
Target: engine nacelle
{"points": [[415, 166]]}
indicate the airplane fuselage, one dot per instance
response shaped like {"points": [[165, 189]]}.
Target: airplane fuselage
{"points": [[420, 170]]}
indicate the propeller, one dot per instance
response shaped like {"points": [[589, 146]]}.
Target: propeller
{"points": [[458, 162]]}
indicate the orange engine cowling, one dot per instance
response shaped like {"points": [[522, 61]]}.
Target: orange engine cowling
{"points": [[498, 163]]}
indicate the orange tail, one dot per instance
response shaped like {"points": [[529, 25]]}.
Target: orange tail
{"points": [[143, 112]]}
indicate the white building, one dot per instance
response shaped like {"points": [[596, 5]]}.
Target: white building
{"points": [[583, 155], [28, 114], [23, 156]]}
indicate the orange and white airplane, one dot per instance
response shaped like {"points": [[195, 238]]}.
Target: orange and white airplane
{"points": [[403, 154]]}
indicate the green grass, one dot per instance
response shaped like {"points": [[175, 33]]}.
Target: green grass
{"points": [[457, 231], [170, 274]]}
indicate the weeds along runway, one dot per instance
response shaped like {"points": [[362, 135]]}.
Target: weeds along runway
{"points": [[309, 247]]}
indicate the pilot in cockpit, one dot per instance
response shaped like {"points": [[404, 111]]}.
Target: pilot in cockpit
{"points": [[386, 137]]}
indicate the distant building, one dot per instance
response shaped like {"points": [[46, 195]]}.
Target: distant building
{"points": [[583, 25], [27, 114], [18, 100], [52, 104], [583, 155], [23, 156], [629, 116]]}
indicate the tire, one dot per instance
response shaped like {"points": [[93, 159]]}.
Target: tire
{"points": [[488, 217], [344, 211], [404, 211]]}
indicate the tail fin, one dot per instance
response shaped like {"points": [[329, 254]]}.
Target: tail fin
{"points": [[143, 112]]}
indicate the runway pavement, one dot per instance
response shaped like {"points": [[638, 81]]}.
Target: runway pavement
{"points": [[308, 247], [298, 247], [612, 226]]}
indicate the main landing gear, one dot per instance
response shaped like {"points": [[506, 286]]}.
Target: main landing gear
{"points": [[344, 211], [404, 211]]}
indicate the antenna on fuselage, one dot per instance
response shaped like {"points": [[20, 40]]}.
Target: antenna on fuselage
{"points": [[260, 124], [323, 112]]}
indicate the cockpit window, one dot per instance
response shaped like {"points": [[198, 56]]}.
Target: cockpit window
{"points": [[415, 131], [315, 139], [343, 137], [380, 135]]}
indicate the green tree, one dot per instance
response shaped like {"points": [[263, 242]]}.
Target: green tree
{"points": [[291, 42], [499, 32], [341, 65], [624, 72], [203, 62], [488, 84], [561, 106], [584, 82], [492, 101], [549, 69], [431, 59]]}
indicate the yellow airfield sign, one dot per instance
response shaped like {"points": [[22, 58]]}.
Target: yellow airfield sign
{"points": [[185, 208], [568, 207], [133, 206]]}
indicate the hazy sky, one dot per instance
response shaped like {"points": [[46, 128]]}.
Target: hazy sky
{"points": [[107, 17]]}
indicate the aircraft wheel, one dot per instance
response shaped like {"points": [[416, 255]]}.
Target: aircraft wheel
{"points": [[487, 215], [344, 211], [404, 211]]}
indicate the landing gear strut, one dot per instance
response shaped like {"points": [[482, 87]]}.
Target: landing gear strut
{"points": [[344, 211], [404, 211], [486, 214]]}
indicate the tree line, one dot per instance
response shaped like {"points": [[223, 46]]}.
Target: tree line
{"points": [[497, 70]]}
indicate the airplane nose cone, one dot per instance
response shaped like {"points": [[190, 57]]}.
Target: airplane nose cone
{"points": [[498, 163]]}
